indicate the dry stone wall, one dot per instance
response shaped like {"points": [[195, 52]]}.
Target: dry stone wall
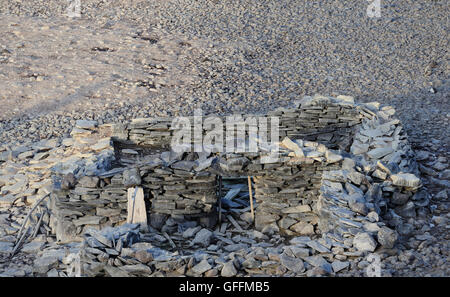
{"points": [[330, 121], [340, 169]]}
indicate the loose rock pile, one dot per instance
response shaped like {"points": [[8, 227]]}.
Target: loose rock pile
{"points": [[122, 251]]}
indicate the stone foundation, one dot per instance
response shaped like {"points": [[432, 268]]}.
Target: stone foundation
{"points": [[341, 168]]}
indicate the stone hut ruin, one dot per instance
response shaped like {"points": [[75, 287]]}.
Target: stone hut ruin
{"points": [[342, 168]]}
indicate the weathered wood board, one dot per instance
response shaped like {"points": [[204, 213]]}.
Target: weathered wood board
{"points": [[136, 213]]}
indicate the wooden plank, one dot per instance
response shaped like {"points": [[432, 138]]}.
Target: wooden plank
{"points": [[220, 199], [251, 198], [136, 209]]}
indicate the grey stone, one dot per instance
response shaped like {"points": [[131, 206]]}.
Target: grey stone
{"points": [[140, 269], [68, 182], [408, 210], [262, 219], [183, 165], [111, 252], [299, 252], [348, 164], [16, 188], [102, 144], [318, 247], [355, 177], [7, 200], [203, 164], [32, 247], [85, 124], [202, 267], [317, 272], [442, 195], [286, 222], [107, 212], [380, 152], [131, 178], [6, 247], [357, 203], [358, 149], [25, 155], [157, 220], [364, 242], [302, 228], [300, 240], [44, 264], [289, 144], [89, 220], [144, 256], [338, 266], [405, 180], [190, 232], [421, 198], [387, 237], [203, 237], [6, 155], [228, 269], [319, 261], [293, 264], [89, 181], [379, 174], [53, 273], [115, 272], [92, 242], [400, 198], [13, 272], [99, 236], [439, 220], [296, 209], [235, 247], [445, 174], [332, 157]]}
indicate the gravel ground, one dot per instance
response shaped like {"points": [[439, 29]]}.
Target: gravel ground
{"points": [[127, 59]]}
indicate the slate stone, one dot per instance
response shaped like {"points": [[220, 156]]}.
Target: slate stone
{"points": [[203, 237], [387, 237], [68, 181], [364, 242], [293, 264], [202, 267], [131, 178], [338, 266], [228, 269]]}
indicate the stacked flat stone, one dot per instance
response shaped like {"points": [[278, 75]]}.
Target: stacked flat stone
{"points": [[350, 208], [307, 188], [177, 188], [171, 187], [327, 120], [287, 194], [379, 181], [152, 132], [382, 148], [94, 202]]}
